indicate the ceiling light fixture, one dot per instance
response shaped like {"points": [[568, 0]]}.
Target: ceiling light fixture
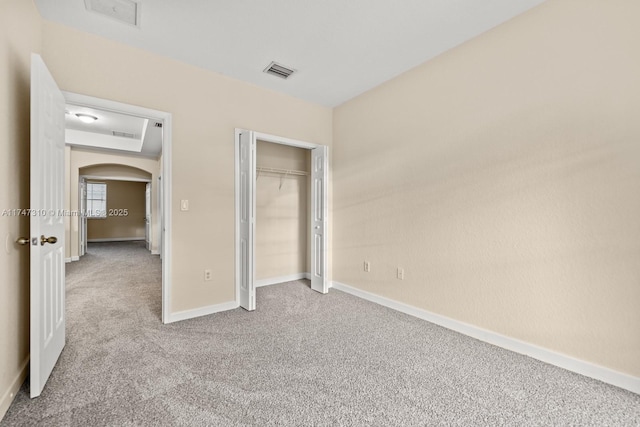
{"points": [[86, 118]]}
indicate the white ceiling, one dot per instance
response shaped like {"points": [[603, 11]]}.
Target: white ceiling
{"points": [[144, 137], [340, 48]]}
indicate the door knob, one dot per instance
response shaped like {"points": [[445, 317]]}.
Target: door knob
{"points": [[51, 240], [23, 241]]}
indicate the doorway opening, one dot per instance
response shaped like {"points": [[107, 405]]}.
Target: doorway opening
{"points": [[115, 208], [246, 188], [130, 147]]}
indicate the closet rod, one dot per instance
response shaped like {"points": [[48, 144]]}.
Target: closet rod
{"points": [[281, 171]]}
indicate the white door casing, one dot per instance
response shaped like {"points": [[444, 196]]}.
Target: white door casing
{"points": [[246, 176], [83, 216], [319, 178], [164, 234], [161, 218], [147, 216], [46, 222]]}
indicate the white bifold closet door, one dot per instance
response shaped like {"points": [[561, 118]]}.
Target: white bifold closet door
{"points": [[247, 214], [319, 175]]}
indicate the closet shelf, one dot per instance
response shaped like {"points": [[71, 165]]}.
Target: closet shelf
{"points": [[260, 169]]}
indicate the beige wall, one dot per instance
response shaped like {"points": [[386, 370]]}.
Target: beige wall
{"points": [[120, 171], [19, 36], [504, 177], [121, 195], [112, 165], [206, 108], [281, 212]]}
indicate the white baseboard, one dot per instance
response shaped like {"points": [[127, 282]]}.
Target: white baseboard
{"points": [[115, 239], [281, 279], [67, 260], [75, 258], [569, 363], [202, 311], [10, 394], [155, 252]]}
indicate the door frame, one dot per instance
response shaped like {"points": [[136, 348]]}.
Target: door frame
{"points": [[282, 141], [148, 216], [165, 215]]}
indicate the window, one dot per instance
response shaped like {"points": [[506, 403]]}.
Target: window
{"points": [[96, 200]]}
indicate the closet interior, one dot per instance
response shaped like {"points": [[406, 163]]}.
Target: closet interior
{"points": [[282, 213]]}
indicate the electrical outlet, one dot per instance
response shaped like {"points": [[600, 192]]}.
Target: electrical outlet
{"points": [[207, 275], [400, 273], [367, 266]]}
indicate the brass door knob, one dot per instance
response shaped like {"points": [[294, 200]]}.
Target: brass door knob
{"points": [[23, 241], [51, 240]]}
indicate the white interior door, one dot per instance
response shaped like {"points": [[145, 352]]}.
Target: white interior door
{"points": [[319, 179], [246, 206], [47, 224], [83, 216], [161, 218], [147, 216]]}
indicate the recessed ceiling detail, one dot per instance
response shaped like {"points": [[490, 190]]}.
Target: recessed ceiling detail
{"points": [[279, 70], [126, 11], [123, 134]]}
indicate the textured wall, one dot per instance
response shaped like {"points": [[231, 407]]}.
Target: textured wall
{"points": [[19, 36], [206, 109], [504, 176]]}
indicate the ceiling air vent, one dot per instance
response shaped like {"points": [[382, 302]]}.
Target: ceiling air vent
{"points": [[123, 134], [127, 11], [279, 70]]}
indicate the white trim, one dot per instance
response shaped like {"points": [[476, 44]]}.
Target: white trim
{"points": [[115, 178], [14, 387], [75, 258], [569, 363], [236, 151], [165, 227], [282, 279], [132, 154], [202, 311], [166, 215], [115, 239], [155, 252], [283, 141], [67, 260]]}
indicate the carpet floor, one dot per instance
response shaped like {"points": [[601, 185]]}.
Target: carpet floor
{"points": [[300, 359]]}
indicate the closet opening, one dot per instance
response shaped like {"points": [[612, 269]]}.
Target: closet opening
{"points": [[281, 213]]}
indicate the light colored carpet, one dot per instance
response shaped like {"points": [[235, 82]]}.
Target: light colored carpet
{"points": [[300, 359]]}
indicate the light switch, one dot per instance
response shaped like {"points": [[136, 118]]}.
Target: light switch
{"points": [[184, 205]]}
